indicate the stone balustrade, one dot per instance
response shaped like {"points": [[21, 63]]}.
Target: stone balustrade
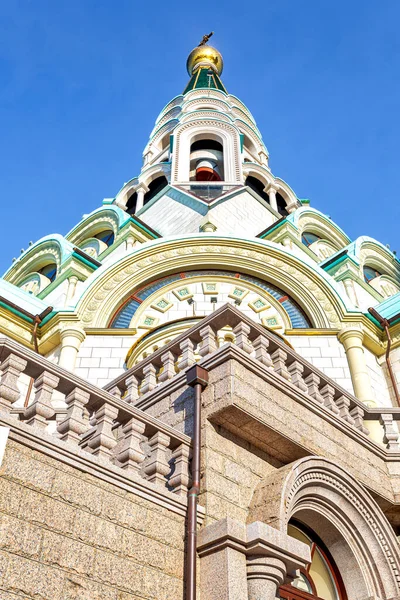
{"points": [[94, 420], [228, 325]]}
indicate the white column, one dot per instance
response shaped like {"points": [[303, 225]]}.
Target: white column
{"points": [[352, 340], [271, 191], [140, 190], [71, 340], [72, 283], [139, 200]]}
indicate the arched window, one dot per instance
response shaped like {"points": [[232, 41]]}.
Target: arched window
{"points": [[50, 271], [309, 238], [155, 187], [321, 579], [370, 273], [106, 236], [257, 186], [206, 160]]}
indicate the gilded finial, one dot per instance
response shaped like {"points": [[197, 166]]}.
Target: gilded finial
{"points": [[205, 56], [205, 39]]}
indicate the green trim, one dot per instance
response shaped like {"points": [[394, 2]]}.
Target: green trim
{"points": [[241, 142], [267, 233], [88, 263], [171, 143], [16, 312]]}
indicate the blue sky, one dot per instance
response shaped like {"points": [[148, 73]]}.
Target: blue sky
{"points": [[83, 81]]}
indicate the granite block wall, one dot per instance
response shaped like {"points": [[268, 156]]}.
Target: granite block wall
{"points": [[66, 535]]}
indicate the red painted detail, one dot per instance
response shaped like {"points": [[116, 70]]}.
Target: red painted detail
{"points": [[206, 174], [283, 299], [182, 275]]}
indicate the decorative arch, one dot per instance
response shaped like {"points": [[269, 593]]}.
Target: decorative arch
{"points": [[52, 249], [105, 218], [374, 254], [309, 220], [106, 289], [259, 172], [342, 513], [226, 133], [152, 173]]}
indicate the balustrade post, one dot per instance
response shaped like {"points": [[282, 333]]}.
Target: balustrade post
{"points": [[168, 363], [261, 345], [312, 381], [391, 433], [131, 454], [296, 370], [116, 392], [209, 343], [181, 478], [357, 414], [187, 349], [11, 369], [103, 440], [241, 332], [150, 378], [279, 358], [76, 422], [157, 467], [41, 410], [132, 386], [328, 394], [343, 404]]}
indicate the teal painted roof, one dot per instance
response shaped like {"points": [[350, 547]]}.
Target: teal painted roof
{"points": [[22, 299], [390, 307], [204, 78]]}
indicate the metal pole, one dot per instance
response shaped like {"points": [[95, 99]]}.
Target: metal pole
{"points": [[196, 377]]}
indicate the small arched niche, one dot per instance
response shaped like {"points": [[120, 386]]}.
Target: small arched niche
{"points": [[206, 158]]}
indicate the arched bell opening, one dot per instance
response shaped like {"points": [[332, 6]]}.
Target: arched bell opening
{"points": [[131, 204], [281, 204], [155, 187], [257, 186], [206, 160]]}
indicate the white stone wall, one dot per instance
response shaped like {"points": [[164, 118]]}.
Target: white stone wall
{"points": [[378, 380], [239, 214], [326, 353], [102, 357], [242, 213]]}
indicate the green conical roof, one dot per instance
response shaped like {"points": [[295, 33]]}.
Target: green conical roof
{"points": [[204, 78]]}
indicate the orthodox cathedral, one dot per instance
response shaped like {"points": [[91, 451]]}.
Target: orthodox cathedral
{"points": [[199, 387]]}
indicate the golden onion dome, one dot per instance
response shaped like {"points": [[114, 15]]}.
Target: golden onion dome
{"points": [[205, 56]]}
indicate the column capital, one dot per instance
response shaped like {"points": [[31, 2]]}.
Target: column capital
{"points": [[142, 187], [271, 187], [226, 533], [266, 541], [351, 333], [71, 331]]}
